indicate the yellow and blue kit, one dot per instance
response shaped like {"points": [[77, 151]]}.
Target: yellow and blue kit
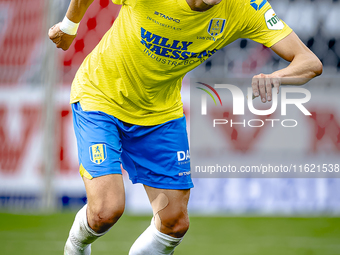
{"points": [[135, 72]]}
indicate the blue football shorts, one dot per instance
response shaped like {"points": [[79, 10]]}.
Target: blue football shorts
{"points": [[157, 156]]}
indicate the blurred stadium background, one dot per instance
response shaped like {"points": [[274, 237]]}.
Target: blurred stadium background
{"points": [[39, 180]]}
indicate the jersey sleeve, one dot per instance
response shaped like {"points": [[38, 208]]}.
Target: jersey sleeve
{"points": [[262, 25]]}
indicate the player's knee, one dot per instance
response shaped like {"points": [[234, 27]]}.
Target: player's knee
{"points": [[175, 223], [181, 226], [105, 216], [109, 215]]}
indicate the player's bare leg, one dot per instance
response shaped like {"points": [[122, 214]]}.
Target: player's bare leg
{"points": [[105, 205], [169, 224]]}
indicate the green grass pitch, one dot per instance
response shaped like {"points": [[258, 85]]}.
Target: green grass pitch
{"points": [[46, 234]]}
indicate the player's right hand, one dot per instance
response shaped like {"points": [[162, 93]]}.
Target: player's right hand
{"points": [[262, 85], [61, 39]]}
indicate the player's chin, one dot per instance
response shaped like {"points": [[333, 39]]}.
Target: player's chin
{"points": [[212, 2]]}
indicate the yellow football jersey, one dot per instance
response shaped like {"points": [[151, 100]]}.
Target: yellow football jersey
{"points": [[136, 70]]}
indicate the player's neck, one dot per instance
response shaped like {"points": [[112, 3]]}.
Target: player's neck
{"points": [[202, 5]]}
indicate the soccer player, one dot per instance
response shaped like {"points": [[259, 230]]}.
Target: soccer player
{"points": [[127, 106]]}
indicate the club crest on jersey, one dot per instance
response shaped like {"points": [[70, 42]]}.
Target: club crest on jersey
{"points": [[216, 26], [98, 153]]}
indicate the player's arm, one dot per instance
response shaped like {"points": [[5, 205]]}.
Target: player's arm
{"points": [[304, 66], [63, 33]]}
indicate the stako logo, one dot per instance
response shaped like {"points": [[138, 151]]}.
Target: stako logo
{"points": [[257, 4], [166, 17], [98, 153], [216, 26]]}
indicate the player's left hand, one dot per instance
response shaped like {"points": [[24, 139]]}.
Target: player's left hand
{"points": [[262, 85]]}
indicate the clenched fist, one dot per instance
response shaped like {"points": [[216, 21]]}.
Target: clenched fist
{"points": [[61, 39]]}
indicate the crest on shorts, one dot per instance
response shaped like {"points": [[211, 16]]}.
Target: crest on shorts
{"points": [[216, 26], [98, 153]]}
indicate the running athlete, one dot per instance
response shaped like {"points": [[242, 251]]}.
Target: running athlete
{"points": [[127, 105]]}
